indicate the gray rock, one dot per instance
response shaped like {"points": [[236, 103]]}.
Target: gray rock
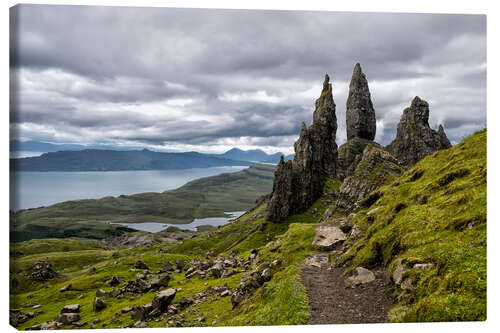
{"points": [[67, 318], [360, 115], [48, 325], [65, 288], [163, 299], [72, 308], [414, 138], [377, 166], [299, 183], [42, 271], [361, 276], [327, 237], [349, 156], [114, 281], [100, 292], [399, 270], [160, 281], [423, 266], [99, 304]]}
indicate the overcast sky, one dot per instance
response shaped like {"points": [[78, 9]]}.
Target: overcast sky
{"points": [[210, 80]]}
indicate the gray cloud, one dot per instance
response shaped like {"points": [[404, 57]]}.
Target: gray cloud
{"points": [[211, 79]]}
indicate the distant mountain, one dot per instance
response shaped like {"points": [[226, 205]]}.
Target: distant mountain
{"points": [[38, 146], [76, 157], [113, 160], [255, 155]]}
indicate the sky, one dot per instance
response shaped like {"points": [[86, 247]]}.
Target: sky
{"points": [[209, 80]]}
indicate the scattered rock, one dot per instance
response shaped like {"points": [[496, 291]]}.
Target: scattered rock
{"points": [[114, 281], [42, 271], [65, 288], [361, 276], [67, 318], [100, 292], [327, 237], [163, 299], [72, 308], [99, 304]]}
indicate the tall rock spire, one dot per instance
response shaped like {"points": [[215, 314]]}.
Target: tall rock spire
{"points": [[299, 183], [360, 124], [360, 115], [414, 138]]}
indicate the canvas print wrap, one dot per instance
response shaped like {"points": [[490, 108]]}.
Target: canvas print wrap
{"points": [[217, 167]]}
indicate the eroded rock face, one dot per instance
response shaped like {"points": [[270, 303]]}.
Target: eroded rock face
{"points": [[350, 154], [360, 124], [360, 115], [299, 183], [414, 138], [376, 167]]}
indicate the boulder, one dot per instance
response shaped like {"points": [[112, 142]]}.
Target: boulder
{"points": [[72, 308], [114, 281], [67, 318], [163, 299], [414, 138], [327, 237], [100, 292], [361, 276], [160, 281], [99, 304], [48, 325]]}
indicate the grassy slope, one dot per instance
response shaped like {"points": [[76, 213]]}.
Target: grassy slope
{"points": [[435, 212], [430, 226], [205, 197]]}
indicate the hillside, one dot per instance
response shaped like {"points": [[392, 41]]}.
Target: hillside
{"points": [[204, 197], [426, 227]]}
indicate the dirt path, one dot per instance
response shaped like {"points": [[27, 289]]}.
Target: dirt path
{"points": [[331, 302]]}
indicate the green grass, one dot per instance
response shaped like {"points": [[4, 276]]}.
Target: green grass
{"points": [[435, 212]]}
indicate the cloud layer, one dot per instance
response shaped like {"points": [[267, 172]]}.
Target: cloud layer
{"points": [[209, 80]]}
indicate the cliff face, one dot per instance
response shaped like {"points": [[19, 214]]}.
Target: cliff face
{"points": [[415, 139], [299, 183], [360, 124]]}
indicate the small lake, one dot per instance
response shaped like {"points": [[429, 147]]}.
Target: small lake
{"points": [[35, 189], [157, 226]]}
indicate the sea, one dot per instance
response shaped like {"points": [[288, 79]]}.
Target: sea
{"points": [[36, 189]]}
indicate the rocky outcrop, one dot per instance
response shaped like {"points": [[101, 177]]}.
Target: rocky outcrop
{"points": [[414, 138], [299, 183], [360, 115], [350, 154], [42, 271], [377, 166], [360, 124]]}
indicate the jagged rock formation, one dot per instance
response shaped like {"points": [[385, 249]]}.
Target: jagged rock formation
{"points": [[360, 124], [377, 166], [299, 183], [414, 138], [350, 154], [360, 115]]}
